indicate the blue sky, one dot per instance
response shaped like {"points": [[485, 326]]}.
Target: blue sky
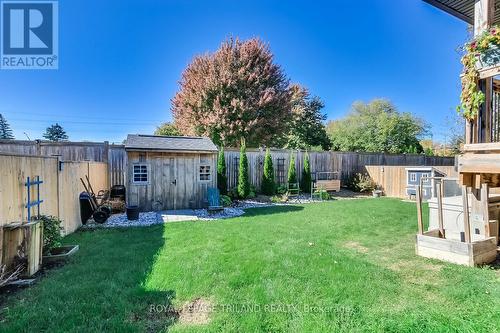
{"points": [[121, 60]]}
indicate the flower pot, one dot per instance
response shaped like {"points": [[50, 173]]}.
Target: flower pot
{"points": [[132, 213], [488, 58], [60, 254]]}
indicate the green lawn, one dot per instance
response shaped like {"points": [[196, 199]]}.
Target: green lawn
{"points": [[335, 266]]}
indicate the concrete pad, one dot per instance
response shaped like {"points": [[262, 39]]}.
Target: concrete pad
{"points": [[178, 215]]}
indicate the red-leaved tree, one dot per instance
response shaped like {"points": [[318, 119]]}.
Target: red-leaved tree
{"points": [[236, 92]]}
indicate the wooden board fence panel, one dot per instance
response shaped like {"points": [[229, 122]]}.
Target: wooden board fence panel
{"points": [[98, 175], [70, 188], [60, 189], [346, 163], [117, 165], [392, 179], [67, 151], [13, 195]]}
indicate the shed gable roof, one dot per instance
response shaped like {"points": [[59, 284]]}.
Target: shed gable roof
{"points": [[169, 143]]}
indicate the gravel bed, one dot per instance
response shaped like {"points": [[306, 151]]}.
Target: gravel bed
{"points": [[152, 218], [237, 209], [244, 204], [228, 212], [120, 220]]}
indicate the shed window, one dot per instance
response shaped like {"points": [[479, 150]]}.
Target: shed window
{"points": [[205, 173], [140, 173], [205, 169], [413, 177], [425, 179]]}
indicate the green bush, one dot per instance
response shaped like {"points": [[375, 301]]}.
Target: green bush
{"points": [[278, 198], [252, 193], [268, 186], [305, 183], [225, 200], [233, 193], [324, 195], [292, 173], [221, 172], [361, 182], [281, 190], [243, 181], [51, 232]]}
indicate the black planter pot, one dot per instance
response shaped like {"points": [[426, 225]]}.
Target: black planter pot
{"points": [[118, 192], [132, 213]]}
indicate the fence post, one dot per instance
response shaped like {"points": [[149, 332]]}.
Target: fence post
{"points": [[419, 211], [439, 190], [465, 200], [59, 170]]}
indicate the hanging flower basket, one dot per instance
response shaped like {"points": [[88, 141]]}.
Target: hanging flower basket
{"points": [[488, 58], [481, 53]]}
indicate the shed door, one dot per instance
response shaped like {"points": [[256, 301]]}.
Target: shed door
{"points": [[163, 183], [185, 176]]}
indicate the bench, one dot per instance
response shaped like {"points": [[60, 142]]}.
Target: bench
{"points": [[320, 186], [328, 185]]}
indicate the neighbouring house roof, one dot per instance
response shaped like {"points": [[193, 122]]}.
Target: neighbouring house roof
{"points": [[169, 143], [463, 9]]}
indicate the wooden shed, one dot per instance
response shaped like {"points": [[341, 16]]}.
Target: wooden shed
{"points": [[413, 179], [168, 172]]}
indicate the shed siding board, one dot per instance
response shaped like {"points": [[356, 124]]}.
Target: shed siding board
{"points": [[159, 193]]}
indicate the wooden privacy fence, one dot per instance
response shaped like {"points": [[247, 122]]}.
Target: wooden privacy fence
{"points": [[113, 155], [60, 189], [346, 163], [392, 179]]}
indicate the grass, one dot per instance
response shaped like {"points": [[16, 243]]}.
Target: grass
{"points": [[339, 266]]}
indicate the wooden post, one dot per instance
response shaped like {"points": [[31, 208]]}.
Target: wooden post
{"points": [[492, 229], [485, 208], [439, 190], [484, 11], [1, 245], [105, 158], [487, 112], [466, 214], [38, 147], [59, 171], [468, 132], [419, 211]]}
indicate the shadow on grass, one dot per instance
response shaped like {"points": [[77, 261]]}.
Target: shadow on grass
{"points": [[100, 289], [270, 210]]}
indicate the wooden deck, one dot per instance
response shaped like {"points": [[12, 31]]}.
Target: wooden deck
{"points": [[480, 164]]}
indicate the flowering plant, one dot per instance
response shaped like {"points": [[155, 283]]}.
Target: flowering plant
{"points": [[472, 97]]}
